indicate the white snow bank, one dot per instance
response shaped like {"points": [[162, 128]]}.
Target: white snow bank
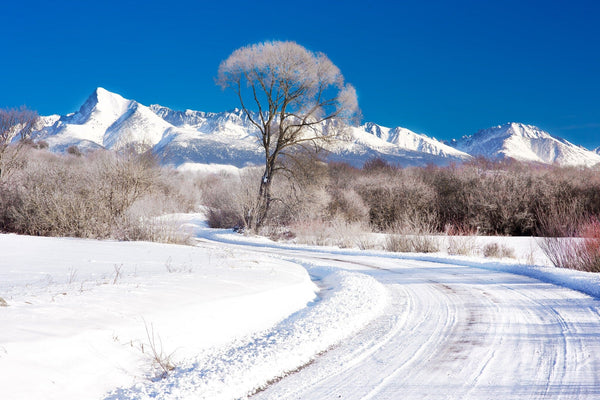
{"points": [[585, 282], [349, 302], [75, 324]]}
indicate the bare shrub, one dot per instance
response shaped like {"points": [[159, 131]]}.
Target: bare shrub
{"points": [[154, 229], [482, 197], [14, 124], [301, 191], [378, 165], [298, 195], [399, 243], [582, 253], [332, 233], [397, 198], [561, 218], [147, 219], [230, 199], [51, 198], [491, 198], [569, 239], [162, 360], [461, 241], [103, 195], [496, 197], [589, 248], [496, 250], [348, 205], [124, 178], [74, 151], [41, 144], [313, 232], [118, 273], [462, 245], [560, 251]]}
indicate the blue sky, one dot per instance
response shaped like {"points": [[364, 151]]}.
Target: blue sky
{"points": [[443, 68]]}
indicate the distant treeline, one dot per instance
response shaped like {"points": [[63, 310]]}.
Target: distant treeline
{"points": [[118, 195], [103, 194], [482, 196]]}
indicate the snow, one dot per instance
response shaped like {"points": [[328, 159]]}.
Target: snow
{"points": [[209, 168], [79, 313], [237, 312], [526, 143], [78, 309], [107, 120]]}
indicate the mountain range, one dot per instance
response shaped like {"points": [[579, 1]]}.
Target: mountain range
{"points": [[194, 139]]}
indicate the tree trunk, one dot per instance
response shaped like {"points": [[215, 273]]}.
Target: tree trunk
{"points": [[264, 199]]}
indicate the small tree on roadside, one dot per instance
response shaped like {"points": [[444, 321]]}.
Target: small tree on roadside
{"points": [[14, 123], [294, 93]]}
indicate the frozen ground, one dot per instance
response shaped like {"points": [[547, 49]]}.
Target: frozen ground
{"points": [[236, 313]]}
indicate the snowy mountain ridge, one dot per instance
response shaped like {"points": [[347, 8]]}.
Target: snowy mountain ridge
{"points": [[107, 120], [526, 143]]}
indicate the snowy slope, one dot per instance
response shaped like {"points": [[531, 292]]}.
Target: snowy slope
{"points": [[107, 120], [77, 313], [525, 143], [398, 145], [237, 318], [226, 138], [80, 316], [407, 139]]}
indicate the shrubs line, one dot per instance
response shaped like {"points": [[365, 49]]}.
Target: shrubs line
{"points": [[101, 195]]}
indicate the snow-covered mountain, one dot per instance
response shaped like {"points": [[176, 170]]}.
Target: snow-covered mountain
{"points": [[525, 143], [107, 120], [191, 138], [359, 144]]}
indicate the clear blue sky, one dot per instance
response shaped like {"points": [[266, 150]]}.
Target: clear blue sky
{"points": [[443, 68]]}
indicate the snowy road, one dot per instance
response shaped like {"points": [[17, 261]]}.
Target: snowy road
{"points": [[241, 314], [456, 332]]}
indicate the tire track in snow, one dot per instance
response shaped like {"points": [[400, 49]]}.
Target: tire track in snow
{"points": [[486, 335]]}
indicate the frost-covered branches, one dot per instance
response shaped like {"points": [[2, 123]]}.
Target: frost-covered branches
{"points": [[290, 87], [14, 123], [293, 92]]}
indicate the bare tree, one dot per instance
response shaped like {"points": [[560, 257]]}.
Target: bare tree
{"points": [[294, 93], [14, 123]]}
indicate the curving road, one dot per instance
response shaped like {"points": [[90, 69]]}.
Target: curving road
{"points": [[456, 332]]}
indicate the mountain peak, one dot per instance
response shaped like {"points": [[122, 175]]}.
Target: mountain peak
{"points": [[102, 96], [107, 120], [525, 131], [525, 143], [101, 99]]}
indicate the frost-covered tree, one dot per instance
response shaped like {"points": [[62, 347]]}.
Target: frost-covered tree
{"points": [[14, 123], [288, 93]]}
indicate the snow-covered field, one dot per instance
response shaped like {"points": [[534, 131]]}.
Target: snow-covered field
{"points": [[83, 316], [233, 314]]}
